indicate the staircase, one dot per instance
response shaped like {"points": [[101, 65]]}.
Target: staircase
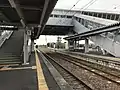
{"points": [[105, 42], [11, 50]]}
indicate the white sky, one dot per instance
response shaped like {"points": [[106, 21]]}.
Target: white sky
{"points": [[99, 5], [45, 39], [108, 5]]}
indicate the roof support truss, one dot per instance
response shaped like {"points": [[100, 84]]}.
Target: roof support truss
{"points": [[17, 8], [42, 16], [23, 7]]}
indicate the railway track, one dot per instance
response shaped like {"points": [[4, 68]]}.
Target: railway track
{"points": [[107, 62], [111, 74], [100, 80], [70, 77]]}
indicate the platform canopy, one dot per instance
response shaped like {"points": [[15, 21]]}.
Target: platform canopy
{"points": [[30, 13]]}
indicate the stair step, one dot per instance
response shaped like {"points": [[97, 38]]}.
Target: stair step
{"points": [[9, 60], [4, 63], [9, 55], [11, 49], [4, 58]]}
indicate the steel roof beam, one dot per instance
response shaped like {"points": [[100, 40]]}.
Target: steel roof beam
{"points": [[17, 24], [17, 8], [31, 8], [42, 16], [23, 7], [8, 28], [10, 24]]}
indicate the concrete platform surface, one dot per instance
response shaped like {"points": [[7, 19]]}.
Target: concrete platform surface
{"points": [[18, 80], [30, 77], [19, 77]]}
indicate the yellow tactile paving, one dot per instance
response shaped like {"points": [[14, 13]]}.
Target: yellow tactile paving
{"points": [[42, 85]]}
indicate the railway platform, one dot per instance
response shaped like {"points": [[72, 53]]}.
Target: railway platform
{"points": [[37, 75], [19, 77]]}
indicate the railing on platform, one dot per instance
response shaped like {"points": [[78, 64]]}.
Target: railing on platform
{"points": [[4, 36]]}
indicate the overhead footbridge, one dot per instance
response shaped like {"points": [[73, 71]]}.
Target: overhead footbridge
{"points": [[94, 24]]}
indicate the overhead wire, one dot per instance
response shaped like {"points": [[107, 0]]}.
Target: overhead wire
{"points": [[70, 9], [116, 7], [90, 4], [73, 6], [86, 6]]}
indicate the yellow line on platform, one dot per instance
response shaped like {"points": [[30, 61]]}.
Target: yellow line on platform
{"points": [[41, 79]]}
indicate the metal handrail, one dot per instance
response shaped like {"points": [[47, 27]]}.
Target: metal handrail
{"points": [[4, 37]]}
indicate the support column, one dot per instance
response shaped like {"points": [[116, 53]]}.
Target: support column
{"points": [[25, 47], [103, 51], [68, 44], [77, 44], [86, 45], [111, 17], [106, 16], [115, 17], [32, 45], [102, 15], [74, 44]]}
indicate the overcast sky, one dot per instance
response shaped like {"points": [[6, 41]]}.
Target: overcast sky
{"points": [[108, 5], [99, 5]]}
